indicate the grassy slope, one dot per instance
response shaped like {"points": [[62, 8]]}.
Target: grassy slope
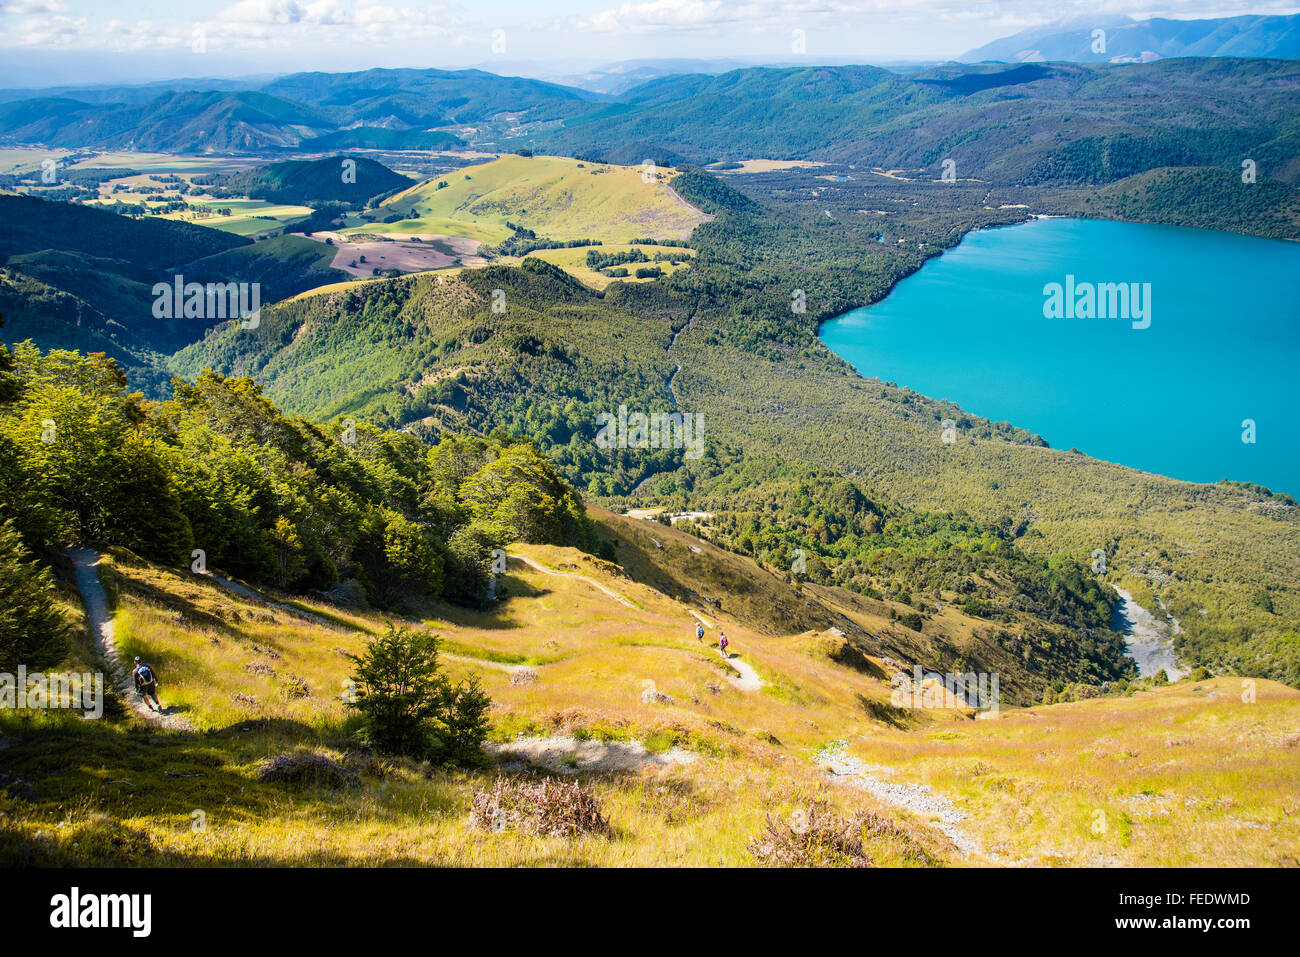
{"points": [[598, 657], [1190, 762], [1189, 775], [550, 195], [248, 216], [574, 262]]}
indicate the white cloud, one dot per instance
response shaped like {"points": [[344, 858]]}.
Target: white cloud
{"points": [[252, 13], [641, 16], [26, 7], [385, 31]]}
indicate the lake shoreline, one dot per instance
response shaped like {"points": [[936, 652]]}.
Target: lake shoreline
{"points": [[981, 308]]}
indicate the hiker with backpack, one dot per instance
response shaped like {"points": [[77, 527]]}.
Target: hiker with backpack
{"points": [[699, 631], [722, 644], [146, 685]]}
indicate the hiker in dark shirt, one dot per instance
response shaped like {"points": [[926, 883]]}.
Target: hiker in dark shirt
{"points": [[146, 684]]}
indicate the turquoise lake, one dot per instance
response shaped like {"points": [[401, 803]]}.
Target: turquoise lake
{"points": [[1223, 344]]}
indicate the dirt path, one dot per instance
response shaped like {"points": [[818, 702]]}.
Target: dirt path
{"points": [[538, 566], [100, 622], [569, 755], [243, 591], [843, 768], [681, 201], [483, 662], [748, 679], [702, 620]]}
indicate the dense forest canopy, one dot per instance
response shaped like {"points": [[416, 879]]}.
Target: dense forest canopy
{"points": [[218, 471]]}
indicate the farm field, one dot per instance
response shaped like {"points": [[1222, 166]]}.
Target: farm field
{"points": [[249, 217], [357, 254]]}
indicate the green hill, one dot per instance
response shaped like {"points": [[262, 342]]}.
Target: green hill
{"points": [[31, 225], [79, 277], [382, 138], [556, 198], [385, 109], [336, 179], [1204, 198]]}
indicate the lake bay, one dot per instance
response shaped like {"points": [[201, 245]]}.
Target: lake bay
{"points": [[1168, 379]]}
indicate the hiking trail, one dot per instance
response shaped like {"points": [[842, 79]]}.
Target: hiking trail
{"points": [[244, 591], [538, 566], [843, 768], [747, 679], [100, 622]]}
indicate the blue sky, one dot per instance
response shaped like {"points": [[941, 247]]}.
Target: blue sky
{"points": [[47, 42]]}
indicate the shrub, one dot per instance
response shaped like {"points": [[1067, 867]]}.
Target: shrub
{"points": [[464, 725], [548, 808], [308, 767], [818, 836], [408, 705], [911, 620]]}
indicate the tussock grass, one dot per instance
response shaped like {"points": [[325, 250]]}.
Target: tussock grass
{"points": [[1185, 775]]}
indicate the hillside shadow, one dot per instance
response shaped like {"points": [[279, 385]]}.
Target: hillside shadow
{"points": [[296, 731], [193, 614], [496, 616], [882, 711]]}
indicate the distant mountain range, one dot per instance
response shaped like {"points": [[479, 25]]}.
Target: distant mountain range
{"points": [[390, 109], [1024, 123], [1127, 40], [1029, 123]]}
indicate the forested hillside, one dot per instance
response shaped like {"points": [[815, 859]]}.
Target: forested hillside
{"points": [[1051, 123], [216, 475], [1128, 39], [1016, 518], [78, 277], [396, 108], [312, 182]]}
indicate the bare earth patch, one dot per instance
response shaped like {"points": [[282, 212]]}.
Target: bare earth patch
{"points": [[405, 252], [565, 754]]}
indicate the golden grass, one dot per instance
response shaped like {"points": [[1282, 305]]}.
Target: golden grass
{"points": [[574, 262], [1185, 775], [554, 196]]}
